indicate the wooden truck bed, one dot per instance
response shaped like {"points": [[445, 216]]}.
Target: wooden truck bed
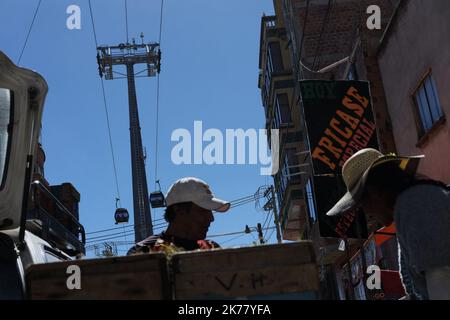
{"points": [[282, 271]]}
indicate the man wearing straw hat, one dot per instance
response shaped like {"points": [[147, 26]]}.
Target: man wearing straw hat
{"points": [[388, 188]]}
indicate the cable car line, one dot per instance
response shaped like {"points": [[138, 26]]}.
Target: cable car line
{"points": [[126, 19], [157, 95], [29, 32]]}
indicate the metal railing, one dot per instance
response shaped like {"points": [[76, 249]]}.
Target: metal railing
{"points": [[51, 224]]}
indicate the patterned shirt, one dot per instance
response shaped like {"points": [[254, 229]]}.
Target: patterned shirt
{"points": [[167, 243]]}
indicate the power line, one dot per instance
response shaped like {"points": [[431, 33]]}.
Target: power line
{"points": [[268, 225], [234, 238], [111, 229], [29, 31], [324, 24], [270, 237], [234, 203], [114, 237], [265, 221], [111, 234]]}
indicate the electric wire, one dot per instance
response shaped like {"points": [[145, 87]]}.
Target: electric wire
{"points": [[115, 228], [234, 203], [324, 25], [116, 233], [268, 225]]}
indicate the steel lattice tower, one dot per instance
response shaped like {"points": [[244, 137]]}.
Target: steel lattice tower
{"points": [[130, 55]]}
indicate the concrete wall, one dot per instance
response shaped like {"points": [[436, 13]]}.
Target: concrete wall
{"points": [[418, 39]]}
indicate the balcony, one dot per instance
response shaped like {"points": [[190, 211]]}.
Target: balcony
{"points": [[293, 210], [53, 222]]}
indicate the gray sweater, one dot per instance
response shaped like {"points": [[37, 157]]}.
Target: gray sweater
{"points": [[422, 218]]}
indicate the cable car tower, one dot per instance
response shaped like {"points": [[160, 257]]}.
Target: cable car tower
{"points": [[129, 55]]}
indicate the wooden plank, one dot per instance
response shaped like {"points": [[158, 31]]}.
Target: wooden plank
{"points": [[246, 272], [134, 277], [246, 283], [247, 258]]}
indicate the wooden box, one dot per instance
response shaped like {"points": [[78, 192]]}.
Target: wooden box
{"points": [[282, 271], [131, 277]]}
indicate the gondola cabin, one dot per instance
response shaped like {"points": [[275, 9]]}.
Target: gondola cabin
{"points": [[121, 215], [157, 199]]}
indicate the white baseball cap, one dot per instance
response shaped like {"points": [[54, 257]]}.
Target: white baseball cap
{"points": [[190, 189]]}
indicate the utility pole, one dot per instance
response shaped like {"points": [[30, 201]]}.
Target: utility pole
{"points": [[271, 205], [275, 214], [129, 55], [260, 233]]}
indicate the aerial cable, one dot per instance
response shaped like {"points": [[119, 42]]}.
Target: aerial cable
{"points": [[106, 113], [29, 32], [111, 229], [157, 95], [126, 19]]}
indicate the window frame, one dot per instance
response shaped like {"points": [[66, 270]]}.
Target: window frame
{"points": [[310, 200], [423, 129], [10, 137], [273, 67]]}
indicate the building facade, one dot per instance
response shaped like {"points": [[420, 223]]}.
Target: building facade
{"points": [[415, 69], [406, 68]]}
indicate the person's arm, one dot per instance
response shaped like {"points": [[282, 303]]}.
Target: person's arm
{"points": [[438, 283]]}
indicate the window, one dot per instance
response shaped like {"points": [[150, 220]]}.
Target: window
{"points": [[6, 103], [274, 58], [282, 110], [310, 201], [289, 168], [352, 74], [427, 102]]}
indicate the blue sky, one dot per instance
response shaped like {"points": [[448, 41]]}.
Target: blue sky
{"points": [[209, 72]]}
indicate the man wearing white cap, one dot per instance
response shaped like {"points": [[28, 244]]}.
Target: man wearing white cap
{"points": [[190, 204], [388, 188]]}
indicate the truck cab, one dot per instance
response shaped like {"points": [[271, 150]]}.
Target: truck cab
{"points": [[28, 233]]}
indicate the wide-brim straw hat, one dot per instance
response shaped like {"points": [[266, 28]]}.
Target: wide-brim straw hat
{"points": [[356, 170]]}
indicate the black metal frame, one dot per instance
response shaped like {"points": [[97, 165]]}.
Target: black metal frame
{"points": [[51, 225]]}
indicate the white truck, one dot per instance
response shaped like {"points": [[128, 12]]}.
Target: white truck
{"points": [[25, 238]]}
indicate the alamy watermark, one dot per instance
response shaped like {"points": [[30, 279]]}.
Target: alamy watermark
{"points": [[374, 20], [73, 281], [234, 146], [74, 19]]}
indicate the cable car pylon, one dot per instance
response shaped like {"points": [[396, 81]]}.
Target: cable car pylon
{"points": [[129, 55]]}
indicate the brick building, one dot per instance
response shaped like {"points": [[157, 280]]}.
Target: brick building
{"points": [[303, 37]]}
